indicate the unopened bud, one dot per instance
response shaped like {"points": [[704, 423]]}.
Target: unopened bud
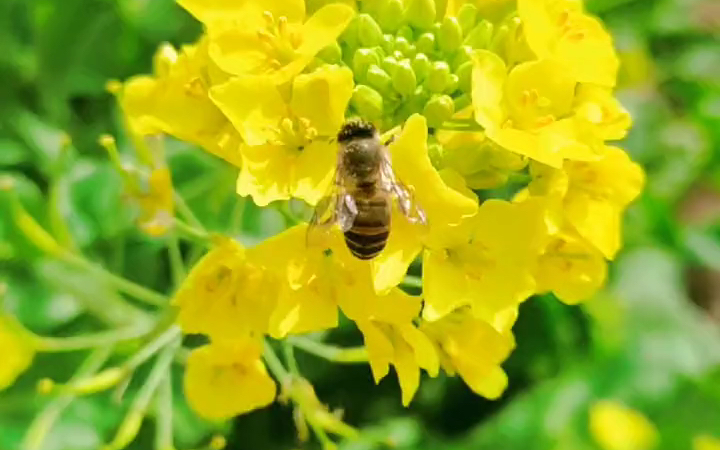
{"points": [[435, 153], [350, 34], [388, 43], [438, 77], [391, 15], [403, 46], [452, 84], [497, 43], [164, 58], [421, 66], [45, 386], [426, 43], [467, 16], [331, 53], [479, 37], [439, 109], [367, 102], [98, 382], [461, 56], [217, 442], [113, 86], [32, 230], [363, 58], [405, 32], [404, 80], [389, 64], [462, 101], [378, 79], [127, 432], [464, 74], [450, 35], [369, 32], [420, 13]]}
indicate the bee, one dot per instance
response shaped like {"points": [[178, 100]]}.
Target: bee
{"points": [[362, 194]]}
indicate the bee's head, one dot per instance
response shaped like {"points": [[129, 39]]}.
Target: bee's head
{"points": [[356, 129]]}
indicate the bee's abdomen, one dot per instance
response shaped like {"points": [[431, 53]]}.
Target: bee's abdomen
{"points": [[369, 233]]}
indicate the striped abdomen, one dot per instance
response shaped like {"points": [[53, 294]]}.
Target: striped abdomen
{"points": [[369, 232]]}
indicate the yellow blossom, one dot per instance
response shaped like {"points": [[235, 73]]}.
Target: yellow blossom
{"points": [[156, 202], [561, 31], [288, 151], [175, 101], [226, 296], [474, 348], [528, 109], [614, 426], [17, 352], [493, 269], [599, 115], [594, 194], [227, 378], [706, 442], [269, 38]]}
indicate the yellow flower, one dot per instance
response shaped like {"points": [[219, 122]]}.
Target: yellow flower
{"points": [[308, 282], [269, 38], [156, 202], [390, 335], [474, 348], [443, 196], [17, 352], [599, 115], [175, 101], [706, 442], [561, 31], [594, 194], [528, 110], [571, 268], [227, 378], [226, 295], [493, 269], [614, 426], [287, 151]]}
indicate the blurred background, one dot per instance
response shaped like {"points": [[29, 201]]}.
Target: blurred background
{"points": [[651, 340]]}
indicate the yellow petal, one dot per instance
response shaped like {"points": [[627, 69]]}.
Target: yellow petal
{"points": [[403, 246], [488, 83], [308, 309], [379, 348], [253, 105], [17, 353], [313, 171], [597, 220], [538, 88], [266, 174], [407, 369], [324, 27], [212, 11], [490, 384], [425, 354], [225, 379], [322, 97], [514, 231], [442, 204], [614, 426], [239, 51], [589, 53], [444, 285]]}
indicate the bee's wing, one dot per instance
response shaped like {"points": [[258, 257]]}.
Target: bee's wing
{"points": [[337, 206], [405, 195]]}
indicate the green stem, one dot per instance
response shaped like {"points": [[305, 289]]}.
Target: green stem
{"points": [[163, 339], [350, 355], [164, 415], [191, 232], [122, 284], [412, 281], [44, 421], [101, 339], [177, 265], [184, 210]]}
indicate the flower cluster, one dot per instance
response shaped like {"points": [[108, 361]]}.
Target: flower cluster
{"points": [[500, 112]]}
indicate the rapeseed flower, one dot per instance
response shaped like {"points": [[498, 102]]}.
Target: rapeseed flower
{"points": [[497, 115]]}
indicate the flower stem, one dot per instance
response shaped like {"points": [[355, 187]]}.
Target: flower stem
{"points": [[412, 281], [349, 355], [82, 342], [187, 213], [164, 415], [177, 264], [196, 234]]}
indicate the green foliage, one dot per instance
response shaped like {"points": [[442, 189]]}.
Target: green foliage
{"points": [[649, 340]]}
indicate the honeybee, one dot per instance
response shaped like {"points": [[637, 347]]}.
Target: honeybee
{"points": [[362, 194]]}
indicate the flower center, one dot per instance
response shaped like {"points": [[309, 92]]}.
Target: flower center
{"points": [[279, 40], [296, 132]]}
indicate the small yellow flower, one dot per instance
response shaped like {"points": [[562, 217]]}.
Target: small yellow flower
{"points": [[594, 194], [706, 442], [227, 378], [17, 352], [493, 269], [614, 426], [226, 296], [599, 115], [561, 31], [474, 348], [175, 101], [269, 38], [528, 110], [287, 151]]}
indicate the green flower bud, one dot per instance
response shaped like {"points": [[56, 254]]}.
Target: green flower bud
{"points": [[461, 56], [438, 77], [467, 16], [439, 109], [450, 35], [369, 32], [367, 102], [403, 46], [331, 54], [404, 80], [479, 37], [420, 13], [389, 64], [426, 43], [378, 79], [421, 66], [497, 43], [464, 74], [362, 60], [462, 102], [391, 15], [453, 82], [405, 32], [388, 43], [435, 153], [350, 35]]}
